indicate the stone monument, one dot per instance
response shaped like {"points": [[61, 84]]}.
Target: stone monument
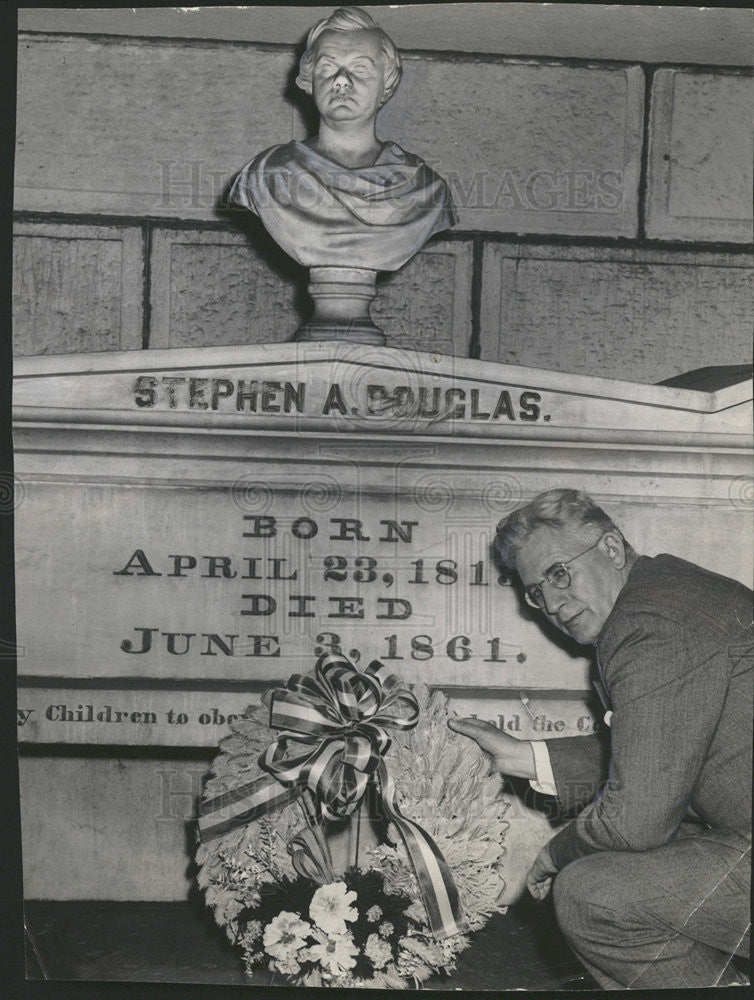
{"points": [[190, 545], [343, 203]]}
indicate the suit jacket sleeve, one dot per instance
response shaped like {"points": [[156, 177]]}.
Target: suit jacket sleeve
{"points": [[666, 701], [579, 766]]}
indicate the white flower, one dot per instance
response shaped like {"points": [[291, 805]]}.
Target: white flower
{"points": [[285, 934], [417, 912], [378, 951], [386, 929], [331, 907], [253, 930], [287, 966], [336, 953], [373, 914]]}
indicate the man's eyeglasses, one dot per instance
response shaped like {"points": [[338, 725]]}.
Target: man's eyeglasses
{"points": [[557, 576]]}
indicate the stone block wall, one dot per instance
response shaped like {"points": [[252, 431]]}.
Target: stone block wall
{"points": [[605, 206], [700, 156], [613, 311]]}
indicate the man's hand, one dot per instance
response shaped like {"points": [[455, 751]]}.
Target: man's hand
{"points": [[540, 875], [507, 754]]}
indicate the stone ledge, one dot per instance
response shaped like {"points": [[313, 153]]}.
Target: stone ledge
{"points": [[654, 35], [111, 827], [117, 713]]}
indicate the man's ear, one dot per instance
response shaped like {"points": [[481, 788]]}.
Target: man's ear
{"points": [[615, 547], [387, 93]]}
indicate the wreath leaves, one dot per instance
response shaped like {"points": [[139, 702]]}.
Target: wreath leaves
{"points": [[442, 784]]}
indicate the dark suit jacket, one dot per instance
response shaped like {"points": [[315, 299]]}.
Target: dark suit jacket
{"points": [[676, 659]]}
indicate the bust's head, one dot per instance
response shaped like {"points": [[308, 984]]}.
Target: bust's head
{"points": [[350, 67]]}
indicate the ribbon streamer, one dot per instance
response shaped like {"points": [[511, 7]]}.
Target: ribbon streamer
{"points": [[334, 734], [310, 855]]}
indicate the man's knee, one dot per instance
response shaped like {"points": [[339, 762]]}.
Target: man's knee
{"points": [[569, 894], [584, 897]]}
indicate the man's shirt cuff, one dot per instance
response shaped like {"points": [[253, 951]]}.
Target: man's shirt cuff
{"points": [[544, 783]]}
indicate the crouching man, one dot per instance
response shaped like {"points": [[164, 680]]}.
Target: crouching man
{"points": [[651, 879]]}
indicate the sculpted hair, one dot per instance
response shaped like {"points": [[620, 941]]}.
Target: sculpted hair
{"points": [[351, 19], [553, 509]]}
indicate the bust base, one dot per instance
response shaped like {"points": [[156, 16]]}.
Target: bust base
{"points": [[342, 296], [352, 333]]}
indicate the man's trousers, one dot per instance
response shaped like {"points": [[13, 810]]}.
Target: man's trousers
{"points": [[668, 917]]}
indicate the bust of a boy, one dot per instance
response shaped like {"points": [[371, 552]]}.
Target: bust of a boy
{"points": [[343, 198]]}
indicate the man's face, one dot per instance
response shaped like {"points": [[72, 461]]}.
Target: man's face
{"points": [[582, 608], [348, 78]]}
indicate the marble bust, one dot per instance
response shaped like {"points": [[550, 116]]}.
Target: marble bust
{"points": [[344, 203]]}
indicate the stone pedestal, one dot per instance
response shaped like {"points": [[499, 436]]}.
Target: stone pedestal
{"points": [[198, 524], [342, 296]]}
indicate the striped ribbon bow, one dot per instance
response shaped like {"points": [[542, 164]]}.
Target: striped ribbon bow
{"points": [[334, 724]]}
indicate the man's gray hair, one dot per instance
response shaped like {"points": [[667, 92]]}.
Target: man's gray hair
{"points": [[552, 509], [351, 19]]}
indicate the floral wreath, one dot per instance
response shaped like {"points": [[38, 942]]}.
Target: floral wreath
{"points": [[399, 908]]}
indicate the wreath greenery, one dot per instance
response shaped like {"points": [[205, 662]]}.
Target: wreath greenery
{"points": [[250, 883]]}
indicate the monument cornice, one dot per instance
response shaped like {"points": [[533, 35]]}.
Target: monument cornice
{"points": [[230, 427], [340, 391], [390, 358]]}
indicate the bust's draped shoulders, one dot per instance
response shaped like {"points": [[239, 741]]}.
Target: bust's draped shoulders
{"points": [[323, 213]]}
